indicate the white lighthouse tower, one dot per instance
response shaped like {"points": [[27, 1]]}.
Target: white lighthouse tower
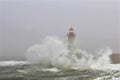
{"points": [[71, 37]]}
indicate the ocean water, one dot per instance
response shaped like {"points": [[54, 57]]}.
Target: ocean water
{"points": [[22, 70], [52, 60]]}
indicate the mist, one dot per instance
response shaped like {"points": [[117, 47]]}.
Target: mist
{"points": [[24, 23]]}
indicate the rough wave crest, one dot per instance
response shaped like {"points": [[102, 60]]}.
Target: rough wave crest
{"points": [[53, 52]]}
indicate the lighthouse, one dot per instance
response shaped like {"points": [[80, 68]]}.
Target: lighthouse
{"points": [[71, 37]]}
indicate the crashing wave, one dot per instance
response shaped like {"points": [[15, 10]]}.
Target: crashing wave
{"points": [[12, 63], [53, 52]]}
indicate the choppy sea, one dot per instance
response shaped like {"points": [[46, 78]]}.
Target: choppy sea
{"points": [[22, 70]]}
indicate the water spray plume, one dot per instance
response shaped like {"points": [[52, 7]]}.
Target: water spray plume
{"points": [[53, 52]]}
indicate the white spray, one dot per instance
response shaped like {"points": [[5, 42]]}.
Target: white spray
{"points": [[52, 51]]}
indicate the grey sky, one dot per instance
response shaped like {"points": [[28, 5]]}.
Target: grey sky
{"points": [[26, 22]]}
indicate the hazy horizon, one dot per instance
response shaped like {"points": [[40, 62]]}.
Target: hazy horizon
{"points": [[27, 22]]}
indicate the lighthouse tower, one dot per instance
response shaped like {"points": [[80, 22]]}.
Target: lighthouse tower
{"points": [[71, 38]]}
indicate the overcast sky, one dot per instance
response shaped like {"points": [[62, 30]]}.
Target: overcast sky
{"points": [[26, 22]]}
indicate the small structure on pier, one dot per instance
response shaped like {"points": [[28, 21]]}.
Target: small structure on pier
{"points": [[71, 38]]}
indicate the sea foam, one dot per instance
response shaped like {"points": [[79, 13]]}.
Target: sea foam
{"points": [[53, 52]]}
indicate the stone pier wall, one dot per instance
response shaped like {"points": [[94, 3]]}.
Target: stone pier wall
{"points": [[115, 58]]}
